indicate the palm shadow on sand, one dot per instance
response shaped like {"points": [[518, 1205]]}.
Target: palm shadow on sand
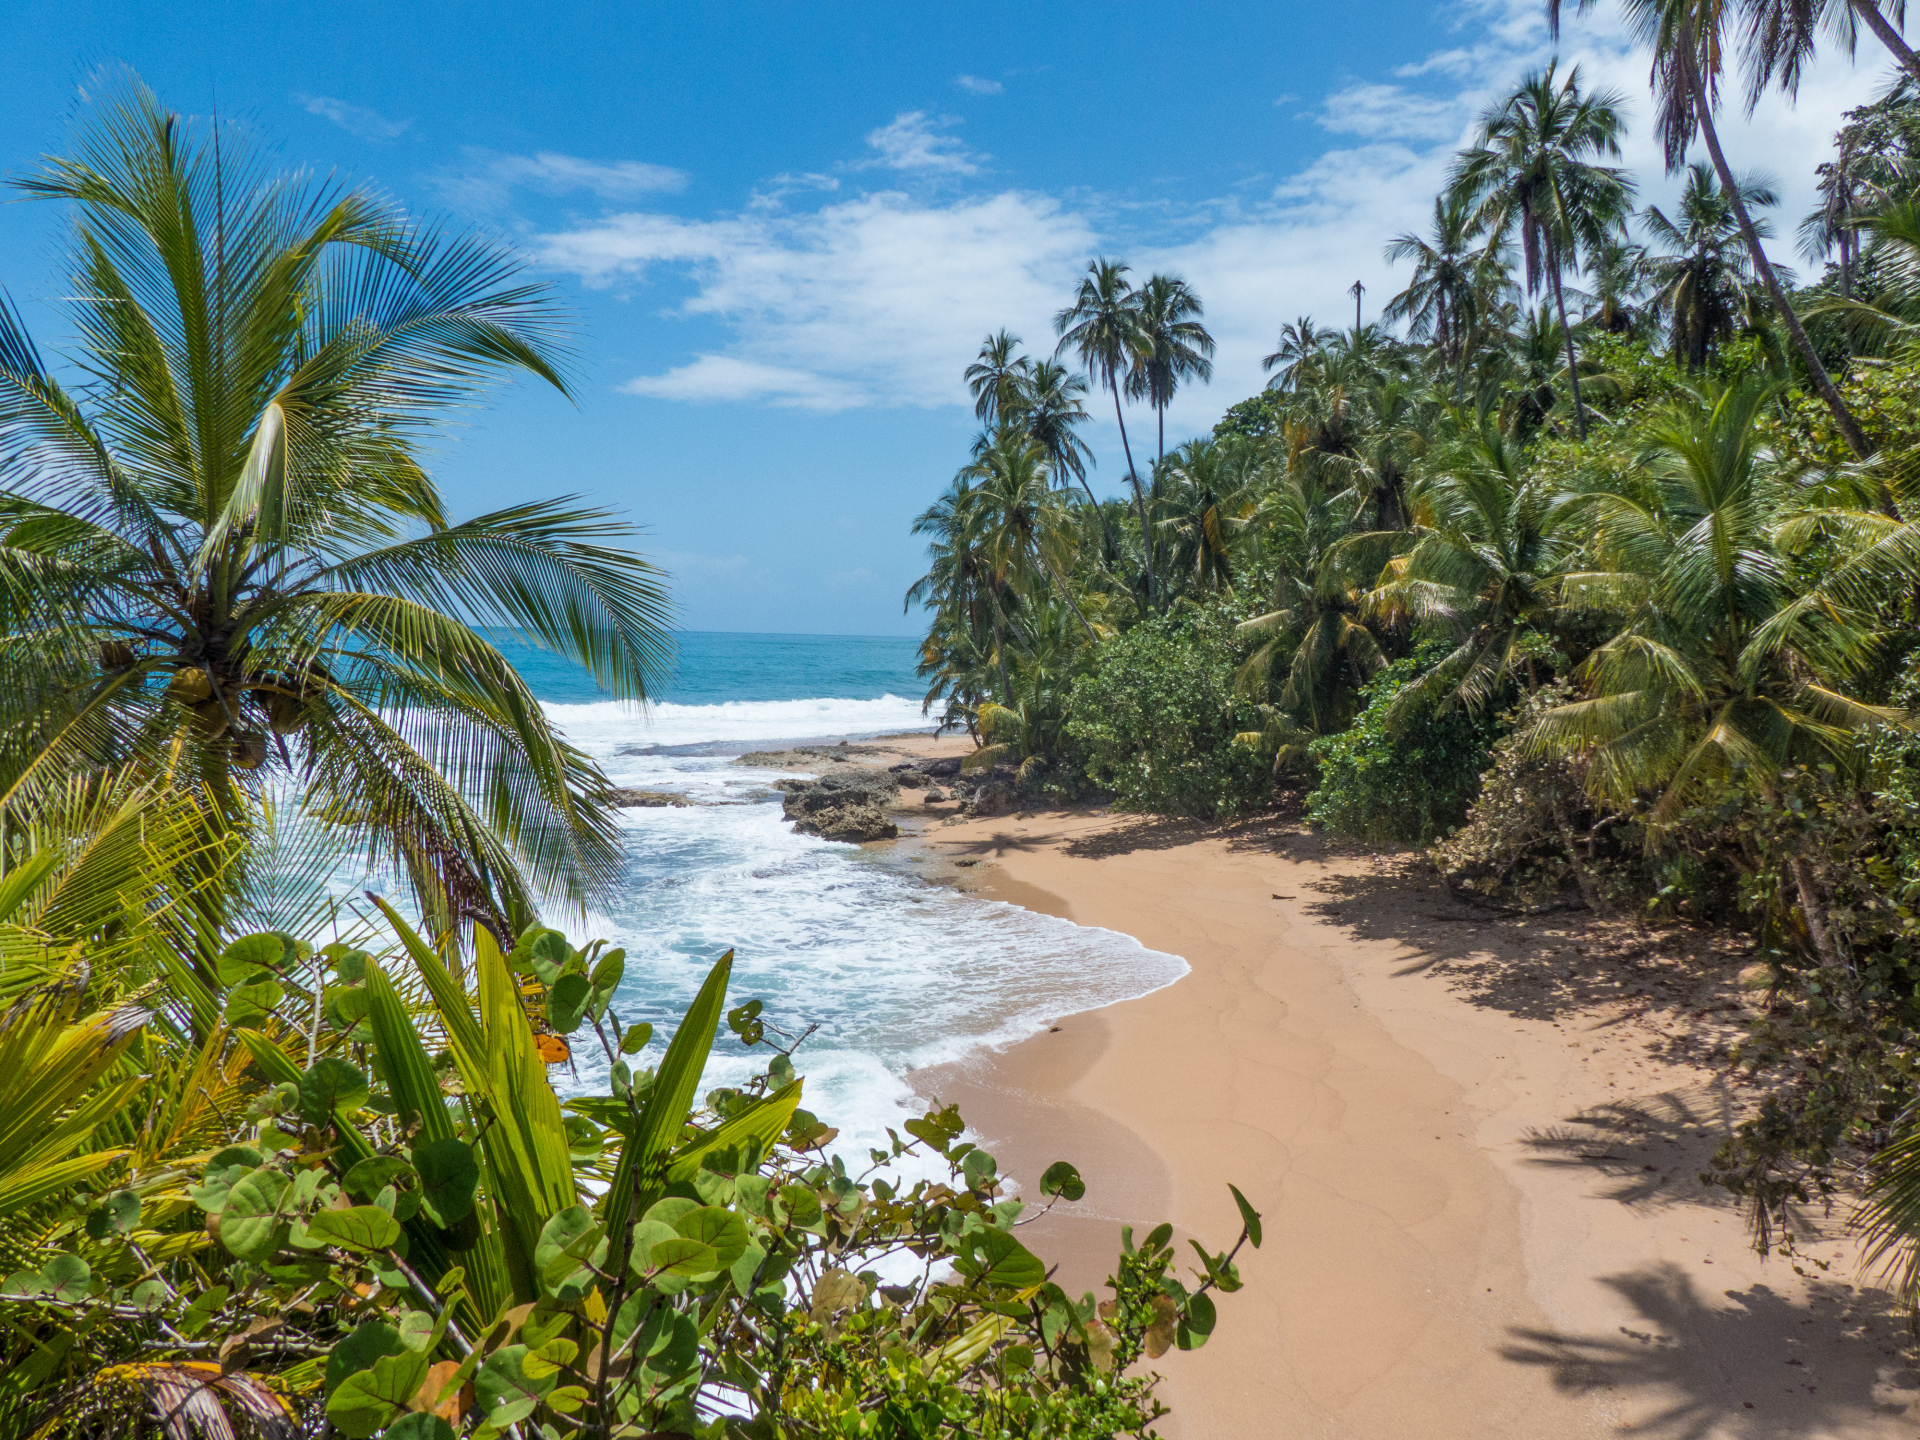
{"points": [[1753, 1364]]}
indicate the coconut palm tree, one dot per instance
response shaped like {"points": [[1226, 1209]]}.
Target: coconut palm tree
{"points": [[1300, 341], [1702, 685], [1701, 268], [1174, 346], [1779, 38], [1440, 302], [969, 607], [1688, 41], [1205, 492], [1616, 289], [996, 378], [222, 554], [1533, 168], [1102, 327], [1022, 523]]}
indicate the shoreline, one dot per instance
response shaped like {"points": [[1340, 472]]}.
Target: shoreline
{"points": [[1474, 1140]]}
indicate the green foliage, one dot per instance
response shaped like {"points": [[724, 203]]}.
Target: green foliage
{"points": [[382, 1276], [1158, 722], [1403, 778]]}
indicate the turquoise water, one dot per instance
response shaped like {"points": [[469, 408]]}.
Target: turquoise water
{"points": [[717, 667], [894, 972]]}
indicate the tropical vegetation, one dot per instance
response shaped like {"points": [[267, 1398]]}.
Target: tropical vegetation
{"points": [[1591, 565], [282, 1157]]}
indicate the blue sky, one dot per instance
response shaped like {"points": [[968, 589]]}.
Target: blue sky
{"points": [[785, 228]]}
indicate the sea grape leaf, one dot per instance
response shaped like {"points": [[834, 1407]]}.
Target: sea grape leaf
{"points": [[369, 1341], [67, 1277], [419, 1425], [1064, 1180], [721, 1229], [331, 1089], [249, 955], [249, 1004], [449, 1178], [116, 1215], [996, 1258], [374, 1174], [364, 1403], [359, 1227], [567, 1002], [680, 1256], [1249, 1216], [1196, 1322], [250, 1222]]}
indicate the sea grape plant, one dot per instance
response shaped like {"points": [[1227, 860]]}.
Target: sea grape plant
{"points": [[414, 1236]]}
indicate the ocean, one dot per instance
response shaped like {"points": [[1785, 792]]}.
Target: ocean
{"points": [[889, 971]]}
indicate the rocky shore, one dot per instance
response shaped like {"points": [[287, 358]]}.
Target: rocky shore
{"points": [[852, 798]]}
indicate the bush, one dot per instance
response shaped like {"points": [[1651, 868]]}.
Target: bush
{"points": [[1157, 720], [1405, 784]]}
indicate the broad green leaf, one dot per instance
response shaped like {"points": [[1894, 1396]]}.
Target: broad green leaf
{"points": [[367, 1401], [996, 1258], [419, 1425], [567, 1002], [117, 1214], [979, 1168], [722, 1230], [250, 1223], [360, 1227], [369, 1341], [1196, 1322], [250, 1004], [506, 1394], [250, 954], [331, 1090], [449, 1179], [636, 1039], [67, 1277], [1064, 1180], [680, 1256], [370, 1177]]}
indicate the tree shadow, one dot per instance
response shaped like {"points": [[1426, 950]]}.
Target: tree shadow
{"points": [[1648, 1148], [1760, 1366]]}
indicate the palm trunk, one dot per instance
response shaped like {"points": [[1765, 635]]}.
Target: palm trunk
{"points": [[1160, 415], [1000, 660], [1815, 913], [1842, 417], [1066, 594], [1139, 494], [1573, 369], [1887, 35]]}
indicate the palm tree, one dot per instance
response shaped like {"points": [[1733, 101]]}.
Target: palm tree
{"points": [[1618, 278], [1299, 342], [1779, 38], [1047, 405], [1689, 47], [1022, 523], [996, 378], [1531, 168], [1174, 346], [222, 556], [1205, 491], [969, 605], [1704, 273], [1102, 326], [1440, 301], [1702, 685]]}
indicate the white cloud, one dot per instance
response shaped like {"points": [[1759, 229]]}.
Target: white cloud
{"points": [[1376, 109], [914, 142], [881, 299], [712, 378], [978, 85], [487, 179], [877, 300], [354, 119]]}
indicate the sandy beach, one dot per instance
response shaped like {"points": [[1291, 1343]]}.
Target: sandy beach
{"points": [[1476, 1141]]}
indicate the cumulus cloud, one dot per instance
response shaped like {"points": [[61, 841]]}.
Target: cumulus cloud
{"points": [[915, 142], [855, 300], [487, 180], [978, 85], [356, 120]]}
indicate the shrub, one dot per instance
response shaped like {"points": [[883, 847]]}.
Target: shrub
{"points": [[1405, 783], [1157, 719]]}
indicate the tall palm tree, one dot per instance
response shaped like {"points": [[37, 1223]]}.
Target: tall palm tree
{"points": [[969, 606], [1205, 492], [1701, 684], [1617, 283], [996, 378], [1047, 404], [1534, 168], [1779, 39], [1702, 270], [222, 555], [1174, 346], [1688, 42], [1300, 340], [1439, 302], [1022, 523], [1102, 327]]}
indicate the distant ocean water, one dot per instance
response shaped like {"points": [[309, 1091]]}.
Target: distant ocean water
{"points": [[895, 972]]}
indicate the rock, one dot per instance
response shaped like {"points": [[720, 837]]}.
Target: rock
{"points": [[806, 757], [651, 799], [910, 779], [942, 769], [846, 805], [995, 798], [935, 795]]}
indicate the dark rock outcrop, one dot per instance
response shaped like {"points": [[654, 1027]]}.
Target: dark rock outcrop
{"points": [[652, 799], [849, 805]]}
